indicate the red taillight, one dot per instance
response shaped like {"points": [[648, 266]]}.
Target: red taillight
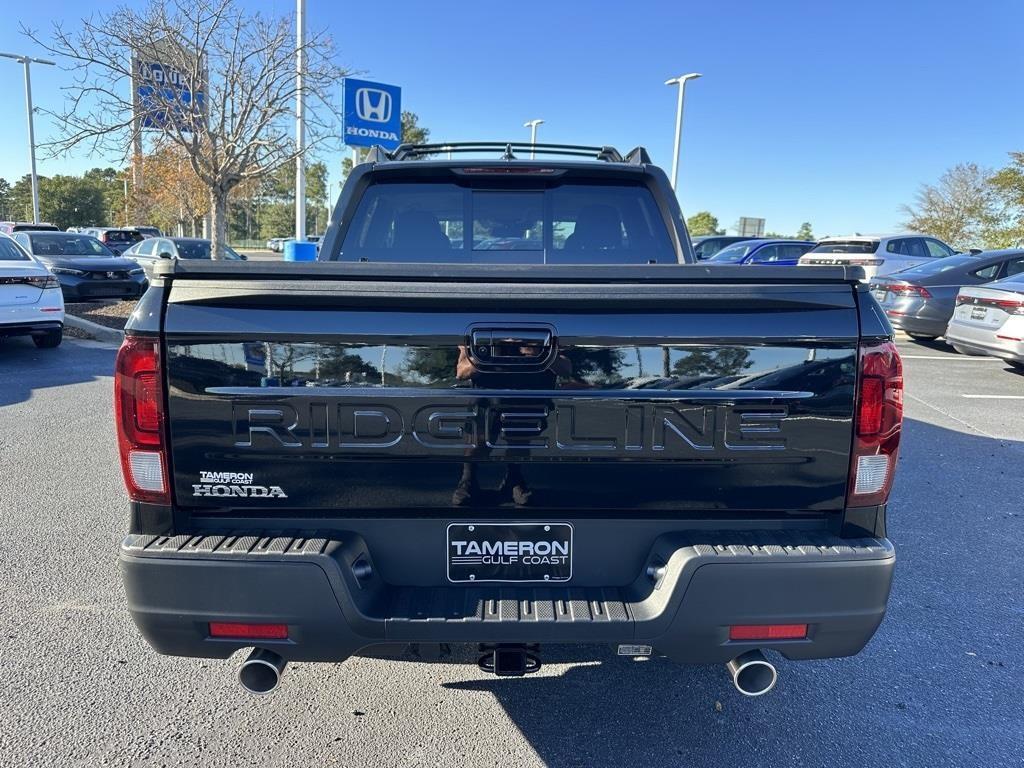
{"points": [[910, 290], [878, 420], [138, 404], [231, 629], [768, 632]]}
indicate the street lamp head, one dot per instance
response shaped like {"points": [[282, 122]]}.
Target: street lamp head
{"points": [[22, 59], [683, 78], [532, 123]]}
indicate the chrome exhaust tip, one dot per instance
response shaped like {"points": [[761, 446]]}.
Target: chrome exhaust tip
{"points": [[752, 673], [261, 672]]}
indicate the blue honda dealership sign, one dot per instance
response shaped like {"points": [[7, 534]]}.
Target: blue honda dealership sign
{"points": [[373, 114]]}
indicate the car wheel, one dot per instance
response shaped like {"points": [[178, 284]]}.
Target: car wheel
{"points": [[921, 337], [1017, 365], [50, 339]]}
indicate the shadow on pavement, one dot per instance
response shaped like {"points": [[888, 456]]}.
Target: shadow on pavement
{"points": [[25, 369], [938, 685]]}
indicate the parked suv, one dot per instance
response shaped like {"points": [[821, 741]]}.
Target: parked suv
{"points": [[117, 240], [781, 253], [877, 254]]}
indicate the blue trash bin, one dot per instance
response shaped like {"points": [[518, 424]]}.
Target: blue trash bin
{"points": [[296, 251]]}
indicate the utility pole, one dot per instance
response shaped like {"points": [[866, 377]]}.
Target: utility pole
{"points": [[300, 121], [27, 61], [532, 125], [681, 82]]}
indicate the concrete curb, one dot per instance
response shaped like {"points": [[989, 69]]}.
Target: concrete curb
{"points": [[97, 331]]}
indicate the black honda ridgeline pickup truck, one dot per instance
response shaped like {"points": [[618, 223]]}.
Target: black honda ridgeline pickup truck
{"points": [[507, 408]]}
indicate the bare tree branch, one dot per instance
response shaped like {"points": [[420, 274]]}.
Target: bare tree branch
{"points": [[242, 63]]}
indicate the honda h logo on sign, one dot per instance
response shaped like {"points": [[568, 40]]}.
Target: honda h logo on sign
{"points": [[373, 114], [373, 105]]}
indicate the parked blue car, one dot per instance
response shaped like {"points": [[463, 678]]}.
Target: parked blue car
{"points": [[780, 253]]}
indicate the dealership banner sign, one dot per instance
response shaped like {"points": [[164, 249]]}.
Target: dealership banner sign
{"points": [[164, 97], [373, 114]]}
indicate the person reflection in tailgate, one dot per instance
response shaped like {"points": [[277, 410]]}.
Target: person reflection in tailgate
{"points": [[513, 487]]}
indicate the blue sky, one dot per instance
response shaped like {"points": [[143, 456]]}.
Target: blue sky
{"points": [[825, 112]]}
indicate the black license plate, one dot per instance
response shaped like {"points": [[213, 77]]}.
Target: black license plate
{"points": [[509, 552]]}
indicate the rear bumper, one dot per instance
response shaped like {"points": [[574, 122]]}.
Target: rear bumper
{"points": [[335, 603], [1006, 342], [918, 317], [77, 288], [34, 328]]}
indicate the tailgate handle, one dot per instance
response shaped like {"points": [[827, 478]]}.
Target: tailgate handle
{"points": [[512, 347]]}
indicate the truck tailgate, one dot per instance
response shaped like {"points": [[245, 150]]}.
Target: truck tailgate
{"points": [[343, 397]]}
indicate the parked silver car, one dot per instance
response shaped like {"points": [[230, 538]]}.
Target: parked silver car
{"points": [[152, 249], [920, 300], [989, 320]]}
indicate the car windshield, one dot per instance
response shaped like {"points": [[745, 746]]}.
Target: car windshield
{"points": [[846, 246], [482, 222], [64, 244], [733, 254], [938, 266], [11, 252]]}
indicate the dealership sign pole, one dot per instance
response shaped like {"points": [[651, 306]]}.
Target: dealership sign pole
{"points": [[300, 122]]}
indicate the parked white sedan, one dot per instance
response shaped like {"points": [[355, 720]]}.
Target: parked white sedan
{"points": [[989, 320], [31, 303]]}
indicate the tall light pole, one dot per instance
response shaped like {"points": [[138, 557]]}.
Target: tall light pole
{"points": [[300, 121], [28, 61], [532, 125], [681, 82]]}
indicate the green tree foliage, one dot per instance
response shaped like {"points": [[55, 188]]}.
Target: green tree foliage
{"points": [[6, 203], [806, 232], [962, 208], [1008, 186], [94, 198], [267, 209], [702, 223]]}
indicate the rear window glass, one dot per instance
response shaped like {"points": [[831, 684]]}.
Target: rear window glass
{"points": [[10, 252], [942, 265], [122, 236], [572, 223], [846, 246]]}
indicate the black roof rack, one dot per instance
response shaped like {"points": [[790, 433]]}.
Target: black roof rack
{"points": [[508, 149]]}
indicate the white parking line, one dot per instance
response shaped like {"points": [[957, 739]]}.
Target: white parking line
{"points": [[994, 397], [963, 358]]}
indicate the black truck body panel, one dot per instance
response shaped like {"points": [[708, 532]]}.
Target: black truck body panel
{"points": [[691, 426]]}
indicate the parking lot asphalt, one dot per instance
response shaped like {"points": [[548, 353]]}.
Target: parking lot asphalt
{"points": [[939, 685]]}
